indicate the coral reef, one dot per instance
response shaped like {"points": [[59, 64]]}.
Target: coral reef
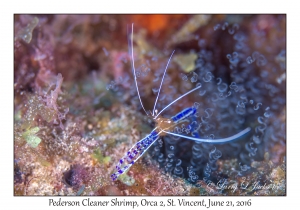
{"points": [[77, 112]]}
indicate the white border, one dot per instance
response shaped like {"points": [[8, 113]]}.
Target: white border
{"points": [[154, 6]]}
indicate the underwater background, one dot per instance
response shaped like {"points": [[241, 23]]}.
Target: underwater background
{"points": [[77, 112]]}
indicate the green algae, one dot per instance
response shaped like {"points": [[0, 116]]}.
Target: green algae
{"points": [[31, 138], [127, 180], [97, 154]]}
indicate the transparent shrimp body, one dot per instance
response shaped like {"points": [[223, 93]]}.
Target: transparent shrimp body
{"points": [[134, 153], [163, 125]]}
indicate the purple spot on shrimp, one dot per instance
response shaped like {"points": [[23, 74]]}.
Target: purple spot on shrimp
{"points": [[114, 177], [130, 156]]}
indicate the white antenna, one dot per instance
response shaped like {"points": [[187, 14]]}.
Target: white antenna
{"points": [[196, 88], [162, 82], [212, 141], [130, 48]]}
